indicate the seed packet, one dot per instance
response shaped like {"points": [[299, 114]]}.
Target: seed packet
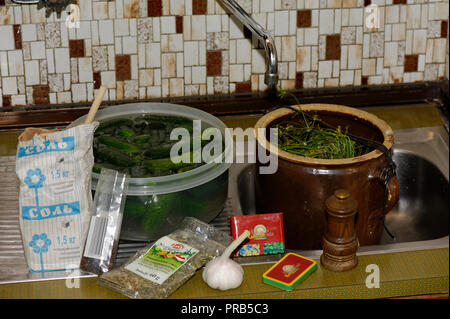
{"points": [[55, 196], [266, 234], [163, 266]]}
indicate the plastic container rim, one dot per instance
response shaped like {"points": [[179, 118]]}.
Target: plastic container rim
{"points": [[175, 182]]}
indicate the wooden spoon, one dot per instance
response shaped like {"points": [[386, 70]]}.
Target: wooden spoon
{"points": [[29, 132]]}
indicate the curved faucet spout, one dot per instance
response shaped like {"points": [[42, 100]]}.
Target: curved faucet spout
{"points": [[271, 76]]}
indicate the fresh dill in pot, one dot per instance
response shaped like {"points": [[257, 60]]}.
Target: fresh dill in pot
{"points": [[302, 134]]}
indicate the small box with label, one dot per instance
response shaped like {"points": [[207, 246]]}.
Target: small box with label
{"points": [[266, 234], [289, 271]]}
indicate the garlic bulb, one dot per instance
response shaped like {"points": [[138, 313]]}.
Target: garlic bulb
{"points": [[222, 272]]}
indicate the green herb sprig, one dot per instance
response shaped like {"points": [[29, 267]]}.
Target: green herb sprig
{"points": [[306, 137]]}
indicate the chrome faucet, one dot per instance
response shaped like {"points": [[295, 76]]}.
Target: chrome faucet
{"points": [[271, 76]]}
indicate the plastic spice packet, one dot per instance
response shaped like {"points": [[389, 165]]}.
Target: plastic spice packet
{"points": [[266, 233], [162, 267], [101, 246], [289, 271]]}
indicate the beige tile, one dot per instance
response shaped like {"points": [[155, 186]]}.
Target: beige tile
{"points": [[168, 65], [346, 78], [15, 62], [325, 69], [303, 59], [369, 67], [439, 50], [413, 16], [354, 57], [288, 49], [398, 32], [390, 54], [419, 41], [392, 14], [100, 10]]}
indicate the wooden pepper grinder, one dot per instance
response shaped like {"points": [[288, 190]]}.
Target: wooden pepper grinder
{"points": [[340, 242]]}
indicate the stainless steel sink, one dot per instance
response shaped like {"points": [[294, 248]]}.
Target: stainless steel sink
{"points": [[419, 220]]}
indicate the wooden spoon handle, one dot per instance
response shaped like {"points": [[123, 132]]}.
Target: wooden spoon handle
{"points": [[95, 105]]}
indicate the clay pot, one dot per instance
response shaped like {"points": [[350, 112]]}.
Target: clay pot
{"points": [[301, 185]]}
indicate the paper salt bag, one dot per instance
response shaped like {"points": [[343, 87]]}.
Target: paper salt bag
{"points": [[55, 196]]}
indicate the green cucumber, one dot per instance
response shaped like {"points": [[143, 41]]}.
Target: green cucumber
{"points": [[111, 125], [167, 164], [126, 133], [118, 144], [113, 156]]}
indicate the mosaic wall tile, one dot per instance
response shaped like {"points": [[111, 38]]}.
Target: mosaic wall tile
{"points": [[161, 48]]}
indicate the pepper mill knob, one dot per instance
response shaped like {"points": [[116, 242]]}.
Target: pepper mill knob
{"points": [[340, 242]]}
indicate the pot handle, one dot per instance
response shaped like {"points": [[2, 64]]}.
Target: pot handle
{"points": [[393, 193]]}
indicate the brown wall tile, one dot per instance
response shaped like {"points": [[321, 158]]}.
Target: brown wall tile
{"points": [[213, 63], [97, 80], [444, 26], [2, 2], [299, 80], [198, 6], [40, 94], [179, 24], [333, 47], [76, 48], [364, 80], [123, 67], [242, 87], [367, 3], [154, 8], [411, 62], [303, 18], [17, 37], [399, 1], [6, 100]]}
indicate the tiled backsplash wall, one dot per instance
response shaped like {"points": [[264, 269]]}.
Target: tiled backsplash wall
{"points": [[164, 48]]}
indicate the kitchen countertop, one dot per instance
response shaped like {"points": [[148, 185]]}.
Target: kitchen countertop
{"points": [[401, 274]]}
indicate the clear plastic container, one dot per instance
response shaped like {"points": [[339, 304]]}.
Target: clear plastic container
{"points": [[155, 206]]}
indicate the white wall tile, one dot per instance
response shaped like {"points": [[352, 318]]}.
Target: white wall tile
{"points": [[153, 55], [326, 16], [243, 47], [38, 50], [15, 61], [325, 69], [106, 31], [108, 79], [167, 25], [28, 32], [213, 23], [9, 86], [191, 53], [85, 70], [129, 45], [236, 73], [6, 34], [62, 61], [281, 22]]}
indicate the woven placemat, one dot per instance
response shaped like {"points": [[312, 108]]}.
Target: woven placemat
{"points": [[12, 257]]}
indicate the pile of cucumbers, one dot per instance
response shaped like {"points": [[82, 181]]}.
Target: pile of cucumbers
{"points": [[140, 146]]}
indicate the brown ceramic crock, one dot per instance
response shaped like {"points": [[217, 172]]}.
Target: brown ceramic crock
{"points": [[301, 185]]}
